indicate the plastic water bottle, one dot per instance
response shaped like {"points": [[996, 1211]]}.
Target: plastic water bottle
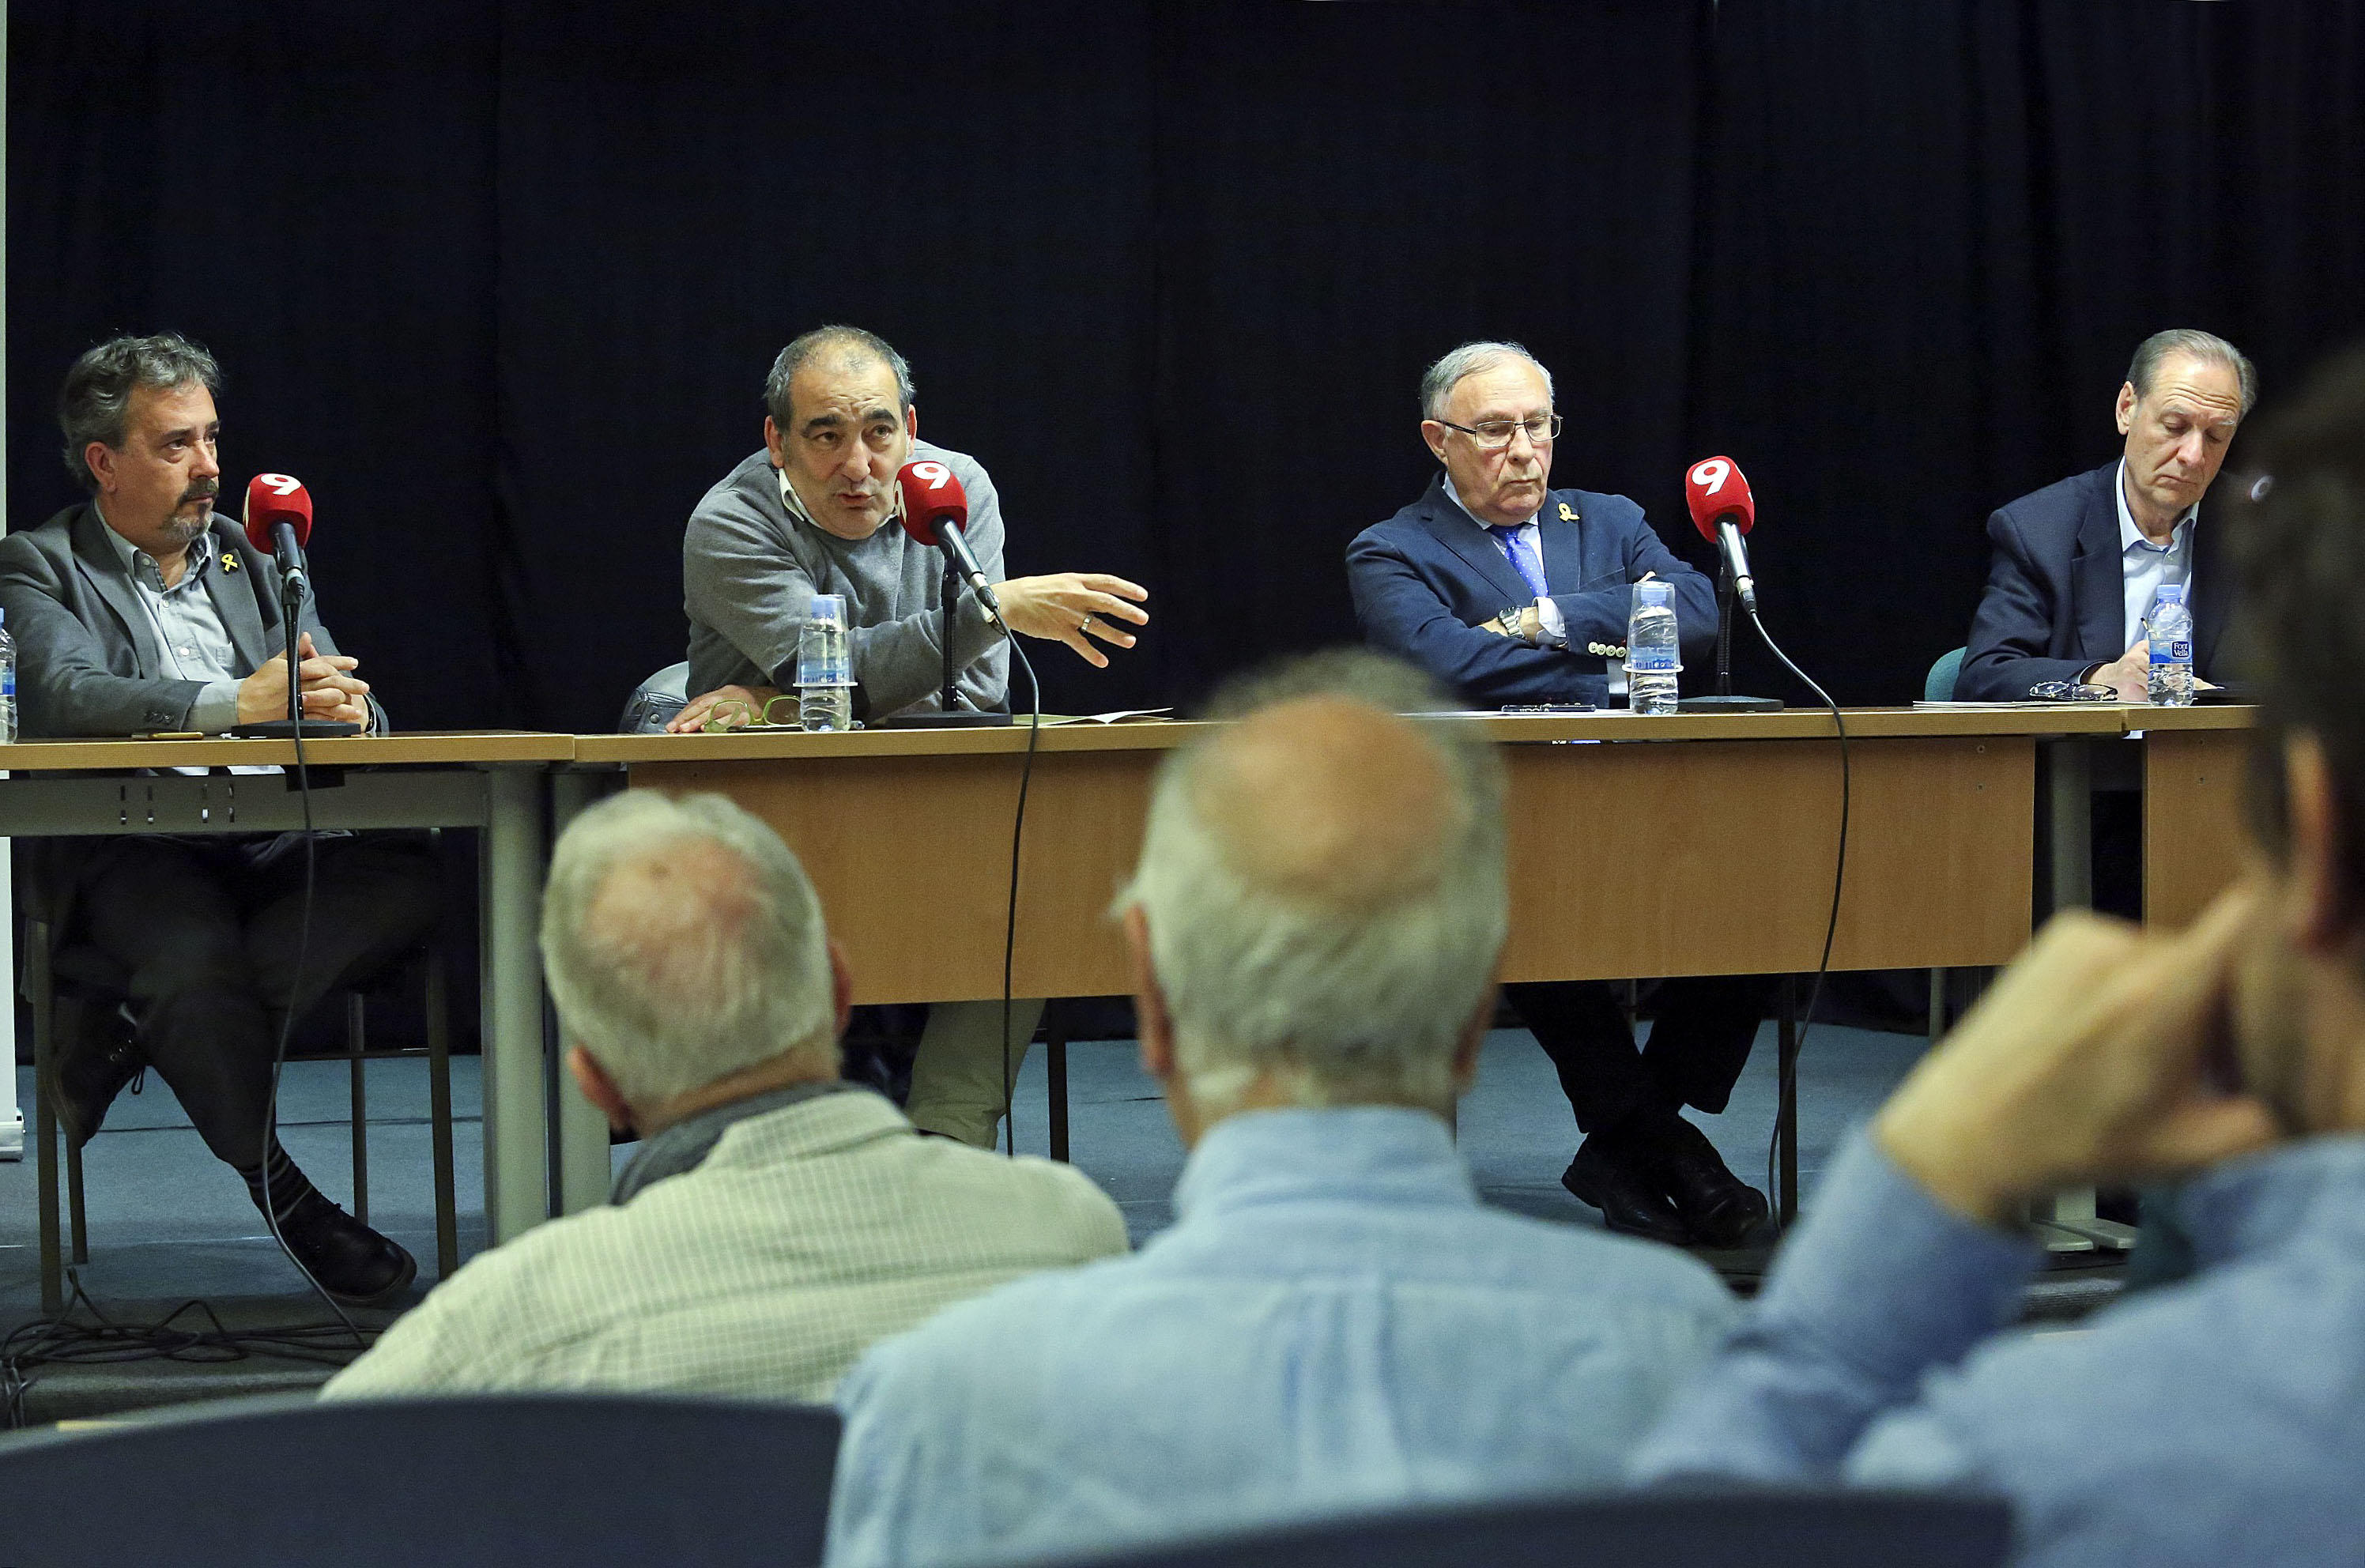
{"points": [[7, 682], [2169, 631], [824, 670], [1652, 657]]}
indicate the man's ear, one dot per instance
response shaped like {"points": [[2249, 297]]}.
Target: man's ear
{"points": [[1434, 433], [2325, 914], [599, 1089], [912, 421], [101, 458], [773, 440], [2126, 407], [841, 985], [1152, 1023]]}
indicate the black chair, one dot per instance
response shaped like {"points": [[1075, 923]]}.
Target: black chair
{"points": [[1669, 1527], [586, 1480], [656, 700], [69, 986]]}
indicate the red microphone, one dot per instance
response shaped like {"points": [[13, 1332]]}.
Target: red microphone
{"points": [[936, 510], [279, 520], [1724, 511]]}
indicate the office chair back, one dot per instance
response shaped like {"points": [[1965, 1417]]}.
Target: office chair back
{"points": [[592, 1481], [656, 700], [1940, 685]]}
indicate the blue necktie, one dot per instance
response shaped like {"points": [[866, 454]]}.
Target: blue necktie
{"points": [[1523, 560]]}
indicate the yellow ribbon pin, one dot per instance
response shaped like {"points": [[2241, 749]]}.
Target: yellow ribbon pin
{"points": [[1567, 512]]}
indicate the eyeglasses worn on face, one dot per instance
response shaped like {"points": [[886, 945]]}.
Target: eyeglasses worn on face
{"points": [[1494, 435]]}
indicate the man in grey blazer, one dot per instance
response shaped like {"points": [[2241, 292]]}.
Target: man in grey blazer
{"points": [[810, 514], [140, 610]]}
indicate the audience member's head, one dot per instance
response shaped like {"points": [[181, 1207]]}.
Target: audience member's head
{"points": [[2301, 551], [687, 958], [1319, 905]]}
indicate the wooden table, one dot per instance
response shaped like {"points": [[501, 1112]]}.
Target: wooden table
{"points": [[1680, 846], [491, 780], [2196, 761]]}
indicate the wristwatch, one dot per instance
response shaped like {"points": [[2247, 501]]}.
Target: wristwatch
{"points": [[1509, 620]]}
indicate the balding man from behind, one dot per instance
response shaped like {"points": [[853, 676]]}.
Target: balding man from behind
{"points": [[775, 1220], [1335, 1322]]}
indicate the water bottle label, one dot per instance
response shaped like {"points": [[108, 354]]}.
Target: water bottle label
{"points": [[2178, 651], [1652, 661]]}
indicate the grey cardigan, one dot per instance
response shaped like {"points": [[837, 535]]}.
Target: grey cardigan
{"points": [[749, 571]]}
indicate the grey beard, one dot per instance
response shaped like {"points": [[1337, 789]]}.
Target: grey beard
{"points": [[181, 530]]}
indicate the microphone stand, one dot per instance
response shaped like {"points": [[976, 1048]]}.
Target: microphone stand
{"points": [[295, 726], [1724, 702], [952, 716]]}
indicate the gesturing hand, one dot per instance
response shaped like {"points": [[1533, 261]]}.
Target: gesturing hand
{"points": [[1073, 608], [331, 693], [2129, 675], [2088, 1063]]}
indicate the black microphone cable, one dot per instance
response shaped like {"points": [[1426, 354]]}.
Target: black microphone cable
{"points": [[1786, 1086]]}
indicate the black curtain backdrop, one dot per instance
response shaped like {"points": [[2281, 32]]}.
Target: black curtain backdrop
{"points": [[501, 282]]}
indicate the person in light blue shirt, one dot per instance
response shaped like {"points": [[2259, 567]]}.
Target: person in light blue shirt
{"points": [[1335, 1323], [2217, 1421]]}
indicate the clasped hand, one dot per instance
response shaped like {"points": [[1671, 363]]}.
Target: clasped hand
{"points": [[2093, 1061], [331, 691]]}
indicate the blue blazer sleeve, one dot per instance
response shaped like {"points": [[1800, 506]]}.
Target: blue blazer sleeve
{"points": [[1598, 608], [1402, 612], [2013, 631]]}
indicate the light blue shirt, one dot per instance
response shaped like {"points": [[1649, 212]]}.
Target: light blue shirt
{"points": [[1334, 1322], [2220, 1421], [2144, 566]]}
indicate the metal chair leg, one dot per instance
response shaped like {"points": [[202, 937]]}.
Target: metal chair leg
{"points": [[439, 1116], [38, 990], [77, 1226], [356, 1042], [1055, 1063]]}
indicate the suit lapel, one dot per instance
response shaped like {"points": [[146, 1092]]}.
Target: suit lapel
{"points": [[2100, 573], [2212, 575], [102, 567], [1459, 533], [1559, 529], [235, 601]]}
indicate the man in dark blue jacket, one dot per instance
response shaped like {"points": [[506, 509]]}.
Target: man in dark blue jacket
{"points": [[2078, 563], [1515, 592]]}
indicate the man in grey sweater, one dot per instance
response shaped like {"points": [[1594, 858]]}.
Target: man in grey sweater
{"points": [[810, 514]]}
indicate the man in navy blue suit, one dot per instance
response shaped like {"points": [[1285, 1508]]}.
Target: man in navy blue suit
{"points": [[1515, 592], [2078, 563]]}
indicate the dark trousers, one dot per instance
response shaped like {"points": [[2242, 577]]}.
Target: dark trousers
{"points": [[207, 931], [1699, 1044]]}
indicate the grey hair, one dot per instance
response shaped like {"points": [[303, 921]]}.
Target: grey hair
{"points": [[740, 975], [2197, 344], [802, 349], [1438, 383], [1339, 1006], [94, 402]]}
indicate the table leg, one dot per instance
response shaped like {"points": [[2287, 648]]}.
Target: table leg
{"points": [[2069, 803], [517, 1168], [582, 1177]]}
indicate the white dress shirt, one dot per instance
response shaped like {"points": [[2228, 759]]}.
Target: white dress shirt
{"points": [[2145, 566]]}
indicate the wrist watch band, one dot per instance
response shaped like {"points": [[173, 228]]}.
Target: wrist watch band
{"points": [[1510, 621]]}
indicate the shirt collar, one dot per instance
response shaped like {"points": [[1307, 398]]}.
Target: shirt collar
{"points": [[684, 1144], [1454, 496], [1369, 1153], [2255, 1204], [142, 566], [2130, 536]]}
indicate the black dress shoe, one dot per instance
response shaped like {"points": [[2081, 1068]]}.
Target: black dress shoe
{"points": [[351, 1262], [1607, 1174], [89, 1070], [1718, 1208]]}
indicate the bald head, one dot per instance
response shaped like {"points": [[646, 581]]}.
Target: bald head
{"points": [[1322, 887], [1328, 801], [684, 944]]}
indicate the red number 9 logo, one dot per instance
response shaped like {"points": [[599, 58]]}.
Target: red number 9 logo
{"points": [[1711, 474], [937, 475]]}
